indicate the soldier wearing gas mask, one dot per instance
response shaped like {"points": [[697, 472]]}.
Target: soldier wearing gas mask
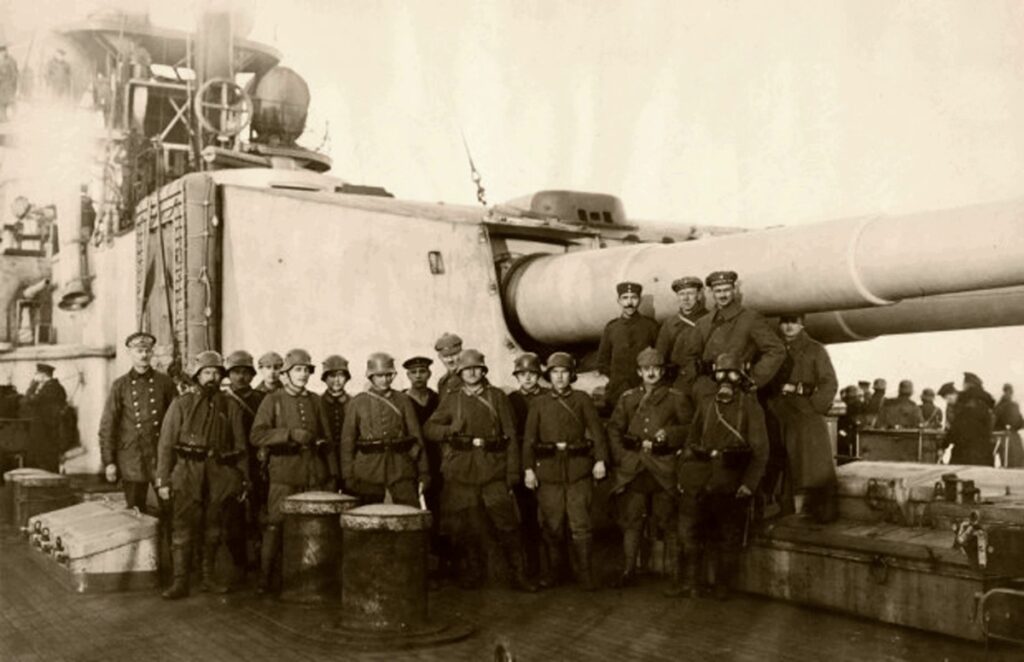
{"points": [[718, 471]]}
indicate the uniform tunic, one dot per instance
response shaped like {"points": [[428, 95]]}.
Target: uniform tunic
{"points": [[294, 467], [709, 478], [1008, 418], [334, 410], [375, 423], [638, 416], [520, 401], [873, 408], [449, 383], [734, 330], [249, 400], [130, 425], [562, 440], [901, 412], [477, 476], [45, 404], [801, 415], [622, 340], [209, 424], [931, 415], [676, 325]]}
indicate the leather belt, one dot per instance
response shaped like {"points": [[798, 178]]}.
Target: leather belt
{"points": [[487, 444], [574, 449], [394, 444], [797, 388], [636, 444], [193, 453]]}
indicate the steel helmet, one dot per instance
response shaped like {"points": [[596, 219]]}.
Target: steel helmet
{"points": [[270, 359], [207, 359], [334, 363], [297, 357], [470, 358], [239, 359], [561, 360], [528, 362], [380, 363]]}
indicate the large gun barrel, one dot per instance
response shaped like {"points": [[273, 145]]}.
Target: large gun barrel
{"points": [[837, 265]]}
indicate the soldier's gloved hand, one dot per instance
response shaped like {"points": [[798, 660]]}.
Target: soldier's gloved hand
{"points": [[647, 444], [164, 492], [530, 480], [111, 473], [300, 435], [599, 471], [743, 492]]}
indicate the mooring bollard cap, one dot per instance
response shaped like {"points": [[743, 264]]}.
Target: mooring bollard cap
{"points": [[318, 503], [44, 479], [386, 517], [24, 471]]}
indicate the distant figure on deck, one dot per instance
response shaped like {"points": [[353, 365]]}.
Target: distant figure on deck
{"points": [[849, 423], [44, 403], [8, 83], [901, 412], [949, 394], [622, 340], [873, 405], [58, 75], [971, 429], [1008, 419], [930, 414]]}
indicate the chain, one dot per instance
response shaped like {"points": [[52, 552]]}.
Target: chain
{"points": [[481, 193]]}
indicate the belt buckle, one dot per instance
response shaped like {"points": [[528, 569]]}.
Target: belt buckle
{"points": [[714, 453], [561, 445], [478, 442]]}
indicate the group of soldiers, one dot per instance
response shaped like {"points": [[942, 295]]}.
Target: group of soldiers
{"points": [[687, 444]]}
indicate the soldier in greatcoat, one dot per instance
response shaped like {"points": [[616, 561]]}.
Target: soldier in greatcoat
{"points": [[130, 425], [44, 403], [381, 445], [243, 524], [448, 348], [729, 329], [799, 397], [718, 472], [646, 430], [675, 329], [970, 431], [481, 465], [203, 465], [292, 427], [564, 449], [622, 340], [527, 371]]}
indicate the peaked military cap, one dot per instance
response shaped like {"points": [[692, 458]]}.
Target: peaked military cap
{"points": [[629, 287], [45, 368], [687, 282], [650, 357], [417, 362], [448, 344], [528, 362], [140, 339], [947, 389], [721, 278], [334, 363], [270, 359], [973, 379]]}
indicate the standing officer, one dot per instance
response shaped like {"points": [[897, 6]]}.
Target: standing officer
{"points": [[381, 445], [689, 292], [901, 413], [527, 371], [732, 329], [721, 466], [243, 523], [646, 430], [448, 348], [335, 375], [563, 448], [270, 365], [292, 427], [45, 401], [930, 414], [622, 340], [130, 426], [203, 462], [480, 466], [799, 397]]}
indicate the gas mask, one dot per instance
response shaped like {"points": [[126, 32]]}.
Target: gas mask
{"points": [[728, 384]]}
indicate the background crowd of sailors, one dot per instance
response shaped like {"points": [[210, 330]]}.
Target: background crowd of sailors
{"points": [[710, 421]]}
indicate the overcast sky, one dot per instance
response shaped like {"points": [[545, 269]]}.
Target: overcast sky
{"points": [[746, 113]]}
